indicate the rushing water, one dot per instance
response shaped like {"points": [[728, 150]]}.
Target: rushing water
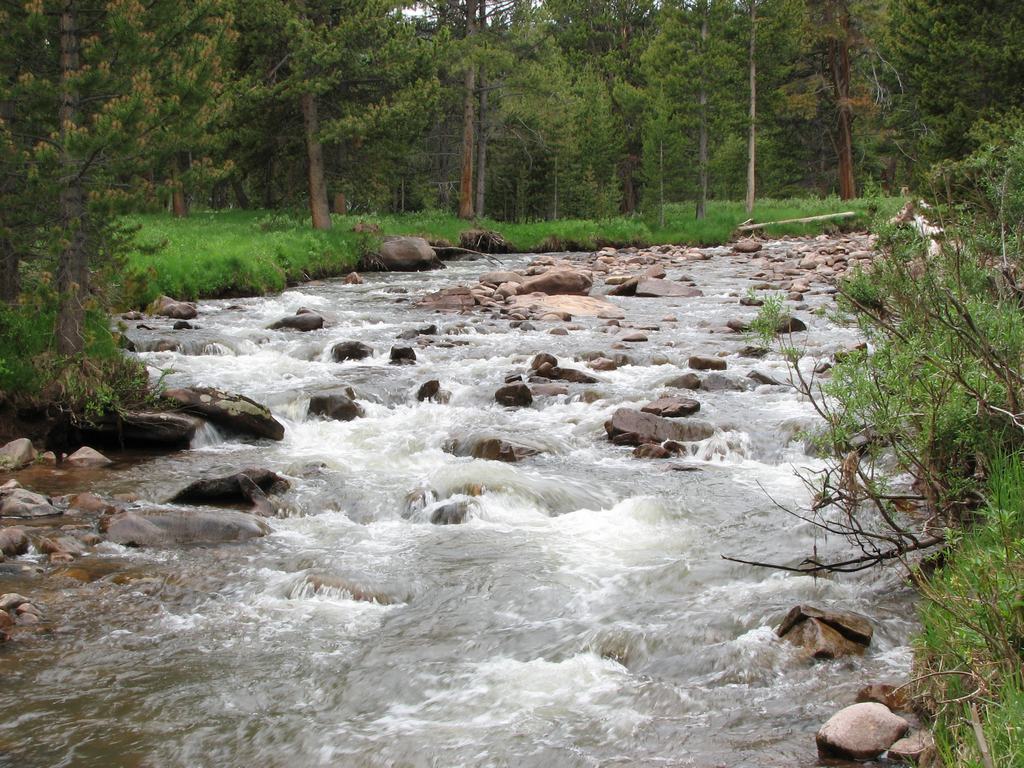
{"points": [[583, 615]]}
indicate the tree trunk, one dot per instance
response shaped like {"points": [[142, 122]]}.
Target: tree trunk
{"points": [[73, 264], [179, 203], [468, 120], [481, 139], [241, 198], [841, 84], [315, 154], [752, 139], [702, 142], [10, 282]]}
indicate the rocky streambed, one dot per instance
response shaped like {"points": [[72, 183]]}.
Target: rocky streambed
{"points": [[488, 532]]}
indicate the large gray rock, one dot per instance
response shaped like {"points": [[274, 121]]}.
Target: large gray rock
{"points": [[17, 454], [167, 527], [144, 428], [631, 427], [663, 289], [87, 457], [558, 282], [860, 732], [306, 321], [230, 488], [234, 412], [672, 407], [19, 502], [405, 254]]}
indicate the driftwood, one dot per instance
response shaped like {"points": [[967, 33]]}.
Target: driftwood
{"points": [[805, 220]]}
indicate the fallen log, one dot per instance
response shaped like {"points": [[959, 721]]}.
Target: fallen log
{"points": [[805, 220]]}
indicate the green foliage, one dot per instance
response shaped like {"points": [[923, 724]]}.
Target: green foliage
{"points": [[764, 326], [973, 628]]}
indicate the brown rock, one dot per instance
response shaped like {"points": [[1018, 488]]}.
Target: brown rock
{"points": [[559, 281], [654, 288], [860, 732], [707, 363], [234, 412], [455, 299], [686, 381], [821, 641], [651, 451], [631, 427], [747, 246], [405, 254], [350, 350], [353, 278], [17, 454], [165, 306], [672, 407], [893, 697], [13, 541], [306, 321], [514, 395], [850, 625], [918, 748], [88, 457]]}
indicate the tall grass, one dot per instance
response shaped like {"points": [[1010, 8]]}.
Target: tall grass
{"points": [[228, 253]]}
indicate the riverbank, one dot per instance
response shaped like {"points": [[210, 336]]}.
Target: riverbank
{"points": [[249, 253]]}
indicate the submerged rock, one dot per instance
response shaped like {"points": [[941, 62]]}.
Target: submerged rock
{"points": [[304, 321], [167, 527], [229, 488], [490, 448]]}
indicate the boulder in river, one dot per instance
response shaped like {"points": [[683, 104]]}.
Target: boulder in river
{"points": [[305, 321], [672, 407], [335, 405], [569, 282], [350, 350], [88, 457], [404, 254], [168, 527], [234, 412], [499, 277], [659, 289], [21, 502], [13, 541], [860, 732], [747, 245], [490, 448], [165, 306], [707, 363], [826, 634], [789, 324], [632, 427], [688, 380], [455, 299], [134, 428], [450, 513], [514, 396], [403, 356], [227, 489], [17, 454]]}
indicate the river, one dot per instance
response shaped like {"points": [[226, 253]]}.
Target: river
{"points": [[582, 616]]}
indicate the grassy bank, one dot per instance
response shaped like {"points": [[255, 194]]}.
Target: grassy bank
{"points": [[247, 252]]}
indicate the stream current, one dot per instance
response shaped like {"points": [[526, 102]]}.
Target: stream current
{"points": [[582, 616]]}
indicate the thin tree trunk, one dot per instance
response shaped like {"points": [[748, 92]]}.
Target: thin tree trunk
{"points": [[73, 265], [10, 282], [468, 121], [240, 197], [661, 184], [702, 143], [556, 189], [179, 205], [315, 153], [481, 139], [841, 82], [752, 139]]}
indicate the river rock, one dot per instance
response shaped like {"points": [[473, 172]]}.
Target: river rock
{"points": [[490, 448], [722, 382], [789, 324], [228, 489], [499, 277], [895, 698], [13, 541], [165, 306], [559, 282], [672, 407], [651, 451], [133, 428], [549, 390], [571, 375], [514, 395], [631, 427], [88, 457], [325, 583], [336, 406], [455, 299], [167, 527], [760, 377], [567, 307], [405, 254], [851, 625], [403, 356], [305, 321], [688, 380], [20, 502], [917, 749], [353, 278], [826, 634], [661, 289], [69, 545], [625, 288], [860, 732], [234, 412], [707, 363], [747, 246], [350, 350], [450, 513], [17, 454]]}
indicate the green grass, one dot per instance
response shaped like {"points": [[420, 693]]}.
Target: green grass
{"points": [[972, 634], [233, 253]]}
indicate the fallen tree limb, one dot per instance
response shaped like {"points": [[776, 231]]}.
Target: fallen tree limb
{"points": [[805, 220]]}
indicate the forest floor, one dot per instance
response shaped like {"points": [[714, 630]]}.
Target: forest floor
{"points": [[235, 253]]}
